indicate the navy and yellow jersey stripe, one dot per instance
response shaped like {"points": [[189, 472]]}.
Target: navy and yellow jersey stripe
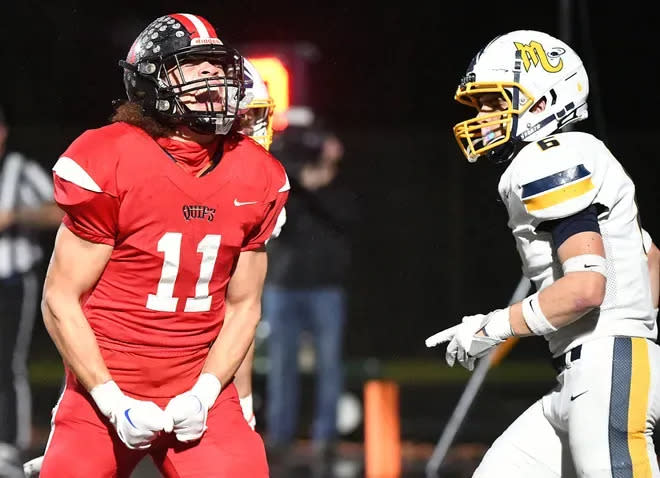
{"points": [[631, 382], [556, 188]]}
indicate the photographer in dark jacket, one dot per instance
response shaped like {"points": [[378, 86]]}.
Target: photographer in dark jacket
{"points": [[305, 286]]}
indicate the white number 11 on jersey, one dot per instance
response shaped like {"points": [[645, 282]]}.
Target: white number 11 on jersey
{"points": [[170, 245]]}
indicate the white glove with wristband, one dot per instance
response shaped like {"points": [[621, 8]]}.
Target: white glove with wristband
{"points": [[32, 468], [137, 422], [190, 409], [465, 346]]}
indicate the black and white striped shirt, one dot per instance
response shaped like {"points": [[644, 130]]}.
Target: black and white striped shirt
{"points": [[23, 184]]}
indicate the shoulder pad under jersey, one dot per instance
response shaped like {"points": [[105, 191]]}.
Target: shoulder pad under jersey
{"points": [[559, 175], [90, 161]]}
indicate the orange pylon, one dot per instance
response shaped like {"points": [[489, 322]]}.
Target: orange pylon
{"points": [[382, 431]]}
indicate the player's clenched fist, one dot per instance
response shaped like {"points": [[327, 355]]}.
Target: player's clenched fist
{"points": [[137, 422], [190, 409]]}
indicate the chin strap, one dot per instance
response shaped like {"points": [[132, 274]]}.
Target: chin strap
{"points": [[505, 152]]}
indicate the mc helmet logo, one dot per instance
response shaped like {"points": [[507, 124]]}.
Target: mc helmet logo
{"points": [[534, 53]]}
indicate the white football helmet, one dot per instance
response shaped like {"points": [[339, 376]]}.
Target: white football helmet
{"points": [[525, 67], [257, 117]]}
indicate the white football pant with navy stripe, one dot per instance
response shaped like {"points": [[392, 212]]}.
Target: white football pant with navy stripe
{"points": [[597, 423]]}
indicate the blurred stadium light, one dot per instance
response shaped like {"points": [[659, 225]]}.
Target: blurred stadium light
{"points": [[276, 77], [285, 69]]}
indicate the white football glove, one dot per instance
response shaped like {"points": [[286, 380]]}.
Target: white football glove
{"points": [[190, 409], [248, 411], [32, 468], [137, 422], [464, 345]]}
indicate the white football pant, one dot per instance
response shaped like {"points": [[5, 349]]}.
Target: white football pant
{"points": [[597, 423]]}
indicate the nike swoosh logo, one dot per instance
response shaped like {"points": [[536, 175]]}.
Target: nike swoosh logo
{"points": [[128, 417], [587, 266], [239, 203], [573, 397]]}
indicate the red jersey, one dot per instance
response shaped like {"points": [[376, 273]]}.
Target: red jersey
{"points": [[160, 302]]}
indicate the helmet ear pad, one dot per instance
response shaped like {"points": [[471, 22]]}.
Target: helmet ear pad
{"points": [[139, 89], [142, 89]]}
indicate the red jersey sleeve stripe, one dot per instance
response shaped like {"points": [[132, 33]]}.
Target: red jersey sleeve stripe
{"points": [[68, 169]]}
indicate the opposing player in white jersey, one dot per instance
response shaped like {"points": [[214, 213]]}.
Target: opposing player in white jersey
{"points": [[257, 119], [573, 215], [256, 122]]}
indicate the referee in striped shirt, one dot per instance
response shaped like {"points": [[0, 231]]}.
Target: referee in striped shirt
{"points": [[26, 205]]}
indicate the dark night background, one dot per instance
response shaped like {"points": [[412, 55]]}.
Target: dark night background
{"points": [[434, 244]]}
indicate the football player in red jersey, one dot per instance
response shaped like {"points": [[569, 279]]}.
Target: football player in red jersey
{"points": [[153, 292]]}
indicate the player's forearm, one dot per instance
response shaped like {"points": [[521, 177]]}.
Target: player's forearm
{"points": [[563, 302], [231, 347], [74, 338], [243, 376], [45, 216]]}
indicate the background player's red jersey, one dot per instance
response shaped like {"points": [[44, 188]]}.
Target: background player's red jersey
{"points": [[159, 303]]}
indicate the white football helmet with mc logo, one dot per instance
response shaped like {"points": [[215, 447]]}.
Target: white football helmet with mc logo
{"points": [[525, 67]]}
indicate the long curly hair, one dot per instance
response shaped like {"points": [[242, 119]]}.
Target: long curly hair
{"points": [[132, 113]]}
